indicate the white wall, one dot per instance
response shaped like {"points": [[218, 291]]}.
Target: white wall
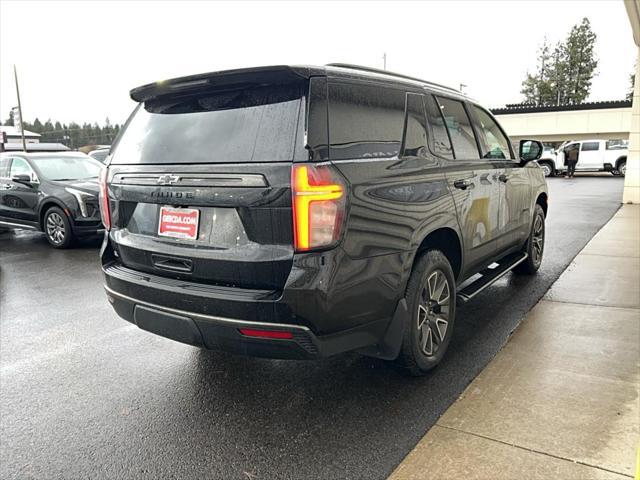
{"points": [[632, 180], [606, 123]]}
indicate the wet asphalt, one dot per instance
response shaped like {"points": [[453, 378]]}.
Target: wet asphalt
{"points": [[86, 394]]}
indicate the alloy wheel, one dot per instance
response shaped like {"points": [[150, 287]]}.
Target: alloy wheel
{"points": [[623, 169], [538, 240], [55, 228], [433, 312], [546, 169]]}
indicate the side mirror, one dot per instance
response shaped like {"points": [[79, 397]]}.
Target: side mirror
{"points": [[530, 150], [23, 179]]}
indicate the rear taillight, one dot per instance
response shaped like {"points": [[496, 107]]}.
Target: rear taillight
{"points": [[318, 206], [105, 212]]}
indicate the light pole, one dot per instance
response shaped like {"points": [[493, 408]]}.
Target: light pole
{"points": [[24, 143]]}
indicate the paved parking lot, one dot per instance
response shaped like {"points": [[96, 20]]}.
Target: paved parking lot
{"points": [[85, 394]]}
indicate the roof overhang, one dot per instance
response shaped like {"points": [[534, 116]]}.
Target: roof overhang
{"points": [[633, 10]]}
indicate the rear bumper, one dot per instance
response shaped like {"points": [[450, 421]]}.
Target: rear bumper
{"points": [[216, 333], [326, 310], [219, 333]]}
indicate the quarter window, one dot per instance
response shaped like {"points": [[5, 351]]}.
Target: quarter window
{"points": [[459, 127], [415, 130], [590, 146], [365, 121], [493, 142]]}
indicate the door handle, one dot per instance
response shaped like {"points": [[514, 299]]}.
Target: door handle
{"points": [[462, 184], [503, 178]]}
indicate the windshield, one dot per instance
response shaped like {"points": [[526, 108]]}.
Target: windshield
{"points": [[248, 125], [67, 168], [99, 155]]}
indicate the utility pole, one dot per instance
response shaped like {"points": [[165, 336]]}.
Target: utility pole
{"points": [[24, 143], [384, 61], [462, 86]]}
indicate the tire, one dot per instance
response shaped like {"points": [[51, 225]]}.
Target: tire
{"points": [[431, 299], [547, 169], [57, 228], [622, 168], [534, 247]]}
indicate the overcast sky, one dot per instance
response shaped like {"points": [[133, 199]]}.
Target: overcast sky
{"points": [[78, 60]]}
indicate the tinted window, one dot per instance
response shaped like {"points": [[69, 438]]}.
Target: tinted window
{"points": [[4, 166], [415, 130], [459, 127], [441, 142], [494, 143], [317, 136], [590, 146], [248, 125], [365, 121], [67, 168]]}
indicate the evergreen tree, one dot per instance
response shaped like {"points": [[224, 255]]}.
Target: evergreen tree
{"points": [[632, 81], [537, 88], [72, 135], [580, 61], [564, 76], [37, 126], [9, 121]]}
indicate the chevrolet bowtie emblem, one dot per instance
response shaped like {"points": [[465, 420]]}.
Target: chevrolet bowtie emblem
{"points": [[168, 179]]}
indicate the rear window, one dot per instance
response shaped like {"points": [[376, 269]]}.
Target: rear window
{"points": [[617, 144], [248, 125], [365, 121], [590, 146]]}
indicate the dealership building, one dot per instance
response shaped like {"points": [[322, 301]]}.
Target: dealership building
{"points": [[553, 125]]}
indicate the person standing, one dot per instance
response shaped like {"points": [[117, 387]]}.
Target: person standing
{"points": [[572, 160]]}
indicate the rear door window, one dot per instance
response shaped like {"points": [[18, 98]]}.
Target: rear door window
{"points": [[441, 143], [590, 146], [459, 127], [244, 125], [414, 143], [365, 121], [493, 142]]}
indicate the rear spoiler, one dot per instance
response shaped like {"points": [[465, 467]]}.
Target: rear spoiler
{"points": [[240, 78]]}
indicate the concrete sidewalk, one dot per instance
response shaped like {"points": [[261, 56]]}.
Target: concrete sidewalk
{"points": [[560, 400]]}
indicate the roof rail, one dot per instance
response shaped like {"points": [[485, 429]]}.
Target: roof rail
{"points": [[386, 72]]}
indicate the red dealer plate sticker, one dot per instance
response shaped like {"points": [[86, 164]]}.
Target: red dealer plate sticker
{"points": [[179, 222]]}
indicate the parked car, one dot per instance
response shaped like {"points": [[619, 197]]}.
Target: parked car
{"points": [[300, 212], [548, 161], [56, 193], [99, 154], [596, 156]]}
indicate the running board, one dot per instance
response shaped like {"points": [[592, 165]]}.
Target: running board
{"points": [[490, 276]]}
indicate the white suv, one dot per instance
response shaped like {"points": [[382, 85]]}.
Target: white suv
{"points": [[596, 156]]}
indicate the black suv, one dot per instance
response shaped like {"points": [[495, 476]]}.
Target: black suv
{"points": [[54, 192], [297, 212]]}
